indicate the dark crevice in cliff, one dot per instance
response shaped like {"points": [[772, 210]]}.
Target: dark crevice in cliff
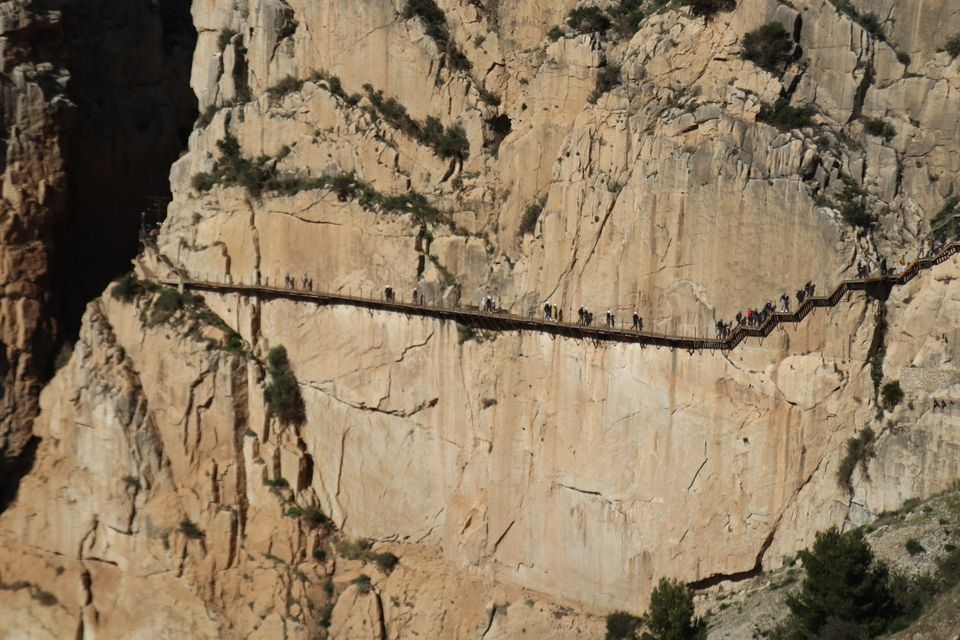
{"points": [[129, 65], [757, 569], [12, 470]]}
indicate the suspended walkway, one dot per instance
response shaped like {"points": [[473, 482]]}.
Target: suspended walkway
{"points": [[877, 287]]}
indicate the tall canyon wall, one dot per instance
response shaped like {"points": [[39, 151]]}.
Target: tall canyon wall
{"points": [[527, 483]]}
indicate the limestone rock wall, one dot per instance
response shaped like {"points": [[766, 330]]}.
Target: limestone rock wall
{"points": [[504, 467]]}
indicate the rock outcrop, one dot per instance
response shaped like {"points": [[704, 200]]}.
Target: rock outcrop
{"points": [[526, 482]]}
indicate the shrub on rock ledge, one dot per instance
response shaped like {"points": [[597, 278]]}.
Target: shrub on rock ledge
{"points": [[769, 47], [283, 393], [709, 8]]}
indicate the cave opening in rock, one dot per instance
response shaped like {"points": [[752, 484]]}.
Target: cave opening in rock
{"points": [[129, 65]]}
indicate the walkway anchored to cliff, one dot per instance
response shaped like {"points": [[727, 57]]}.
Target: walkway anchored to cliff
{"points": [[877, 287]]}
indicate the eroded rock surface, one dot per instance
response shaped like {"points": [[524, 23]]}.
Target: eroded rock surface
{"points": [[526, 482]]}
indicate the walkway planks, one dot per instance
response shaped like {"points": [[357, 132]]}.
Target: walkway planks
{"points": [[877, 287]]}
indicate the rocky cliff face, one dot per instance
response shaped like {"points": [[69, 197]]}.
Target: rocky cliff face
{"points": [[517, 477], [95, 108]]}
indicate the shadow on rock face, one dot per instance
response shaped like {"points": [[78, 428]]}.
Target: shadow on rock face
{"points": [[13, 470]]}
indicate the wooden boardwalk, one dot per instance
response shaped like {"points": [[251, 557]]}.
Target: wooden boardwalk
{"points": [[877, 287]]}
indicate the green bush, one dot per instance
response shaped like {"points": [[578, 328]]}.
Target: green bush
{"points": [[288, 85], [913, 547], [449, 143], [869, 22], [320, 554], [879, 128], [588, 20], [363, 584], [607, 79], [528, 223], [622, 626], [206, 117], [283, 393], [351, 550], [627, 16], [860, 449], [948, 569], [903, 58], [953, 46], [386, 561], [283, 398], [433, 18], [671, 615], [453, 143], [190, 530], [315, 518], [127, 288], [555, 33], [166, 305], [233, 169], [911, 595], [709, 8], [852, 203], [784, 116], [891, 394], [872, 25], [226, 35], [277, 483], [277, 358], [769, 47], [844, 588]]}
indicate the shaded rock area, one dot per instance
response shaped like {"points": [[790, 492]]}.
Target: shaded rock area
{"points": [[96, 105]]}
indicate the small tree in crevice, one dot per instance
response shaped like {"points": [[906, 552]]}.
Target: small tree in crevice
{"points": [[530, 217], [952, 46], [769, 47], [879, 128], [283, 393], [891, 395], [785, 116], [607, 79], [588, 20], [860, 449]]}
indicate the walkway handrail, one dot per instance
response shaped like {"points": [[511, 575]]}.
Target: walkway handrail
{"points": [[502, 321]]}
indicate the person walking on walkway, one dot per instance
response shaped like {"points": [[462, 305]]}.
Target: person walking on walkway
{"points": [[636, 320], [414, 296], [546, 312], [559, 315]]}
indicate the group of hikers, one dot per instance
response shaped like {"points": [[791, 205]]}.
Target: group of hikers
{"points": [[756, 317], [753, 317], [306, 282], [391, 296], [553, 313]]}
